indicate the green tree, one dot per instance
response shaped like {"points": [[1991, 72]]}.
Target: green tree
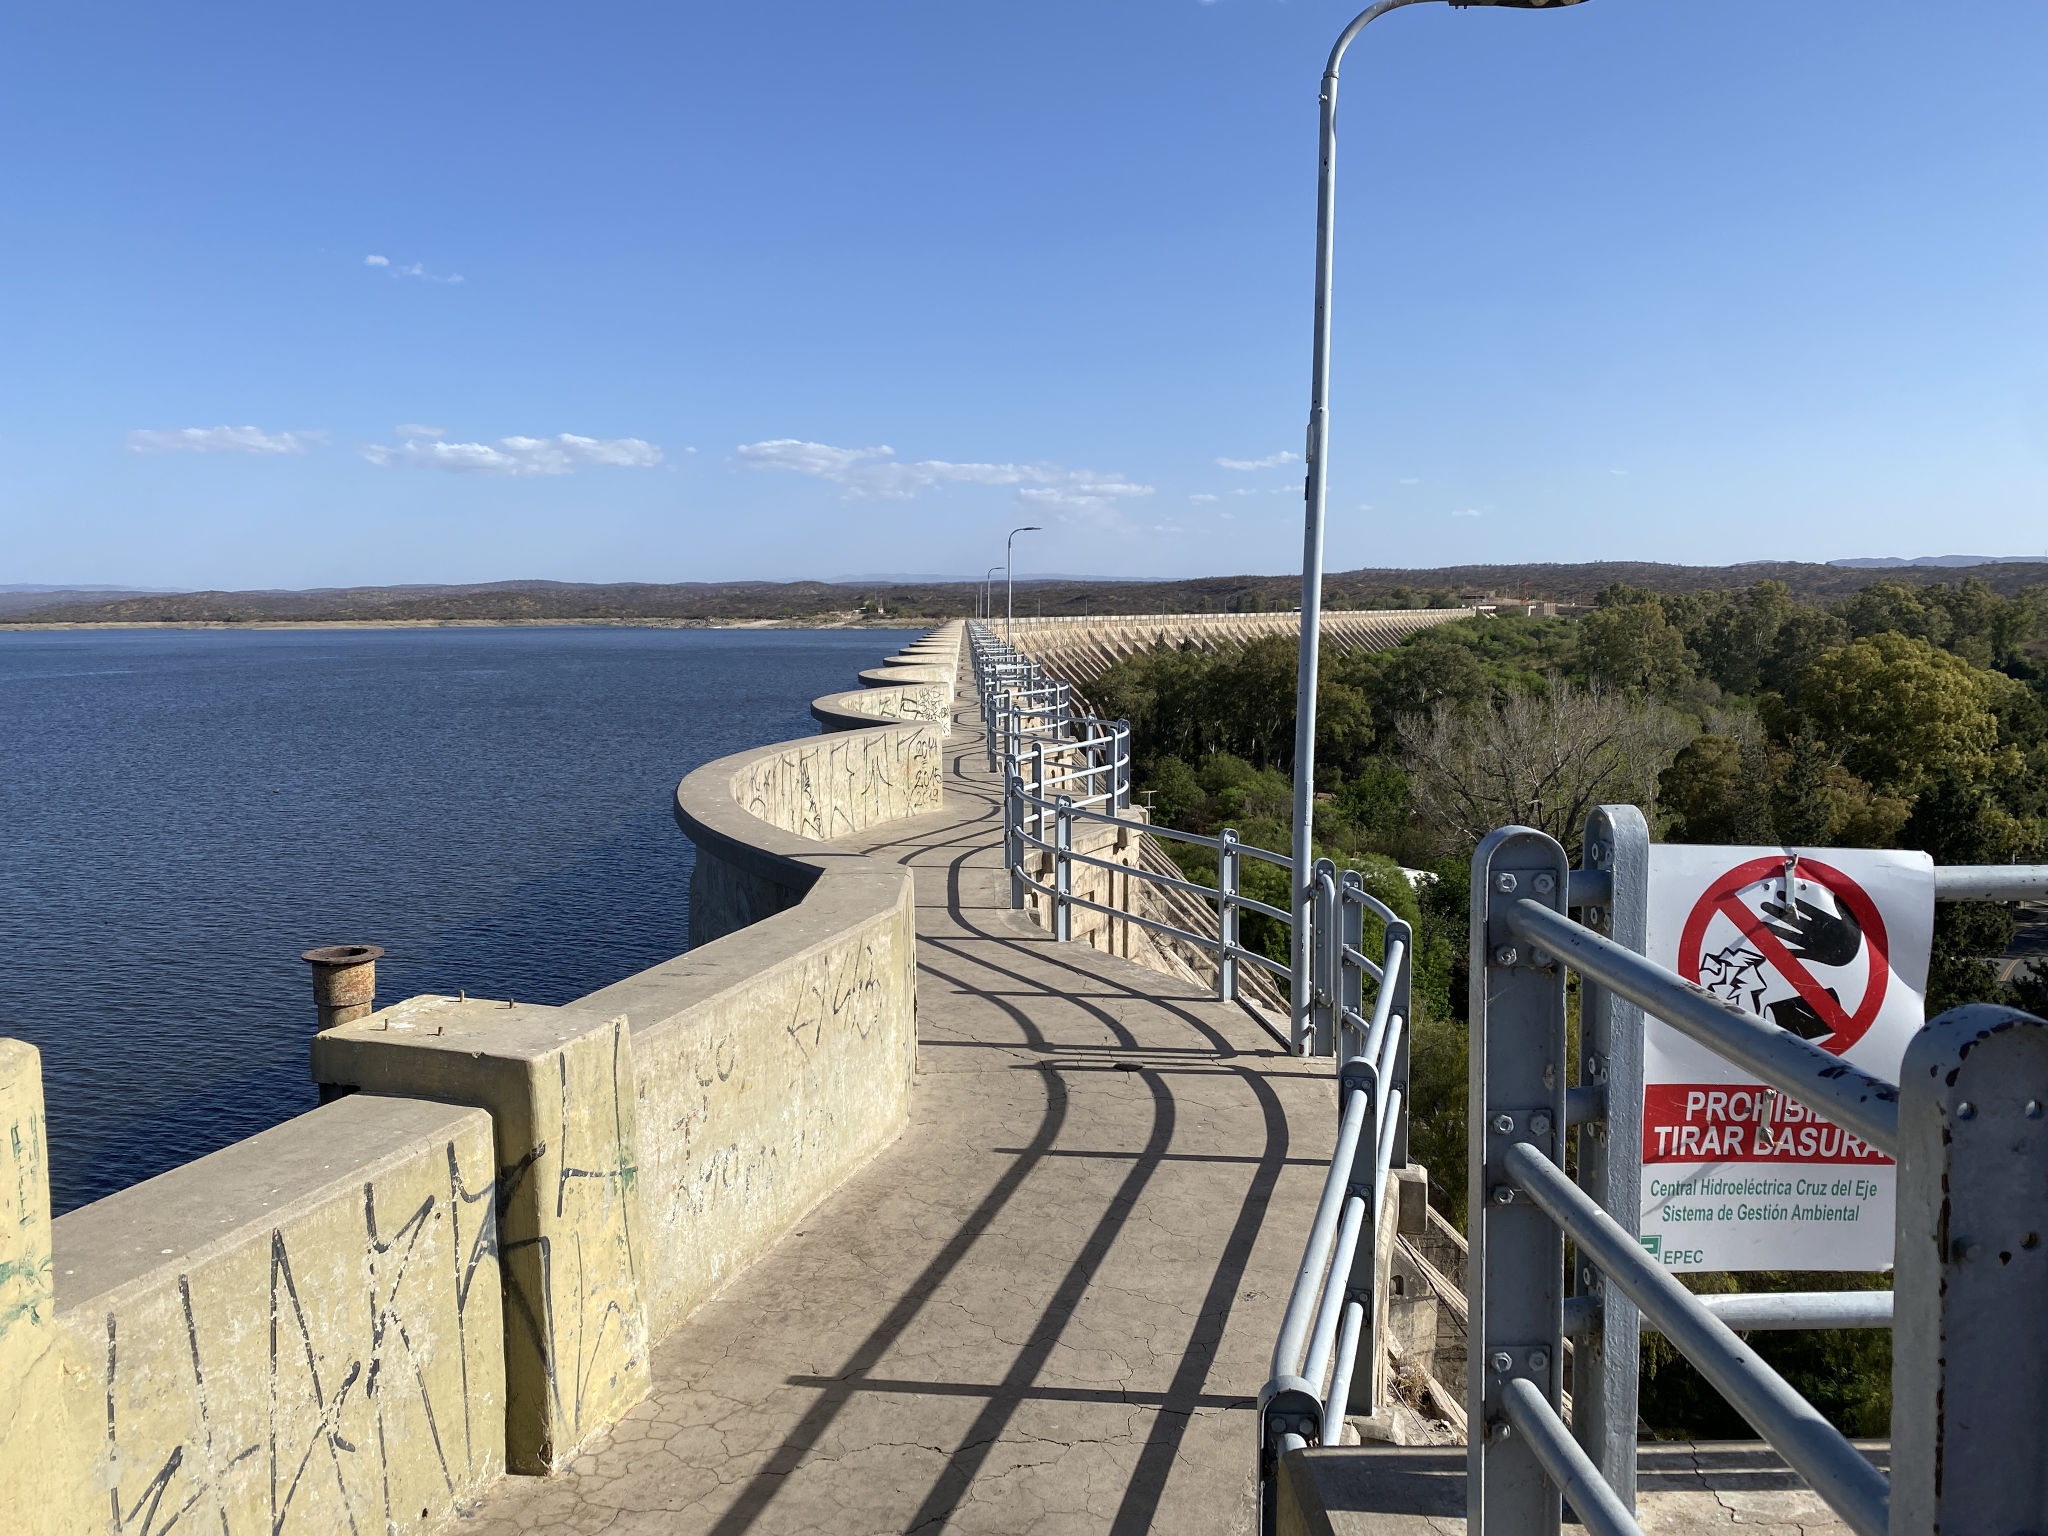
{"points": [[1435, 669], [1892, 607], [1738, 637], [1177, 795], [1717, 790], [1377, 800], [1627, 642], [1801, 637], [1904, 713]]}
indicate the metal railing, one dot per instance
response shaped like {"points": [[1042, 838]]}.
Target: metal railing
{"points": [[1325, 1363], [1966, 1126]]}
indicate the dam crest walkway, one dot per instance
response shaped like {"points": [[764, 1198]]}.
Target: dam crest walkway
{"points": [[1047, 1307]]}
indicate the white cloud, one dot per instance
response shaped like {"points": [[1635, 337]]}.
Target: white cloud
{"points": [[1270, 461], [1085, 495], [876, 473], [1412, 480], [1468, 512], [221, 440], [412, 429], [1202, 496], [517, 457], [1617, 471], [411, 269]]}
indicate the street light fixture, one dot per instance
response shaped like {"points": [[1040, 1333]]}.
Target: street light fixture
{"points": [[1313, 493], [988, 605], [1010, 584]]}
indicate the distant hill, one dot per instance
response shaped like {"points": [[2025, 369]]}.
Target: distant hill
{"points": [[22, 597], [815, 602], [1949, 562]]}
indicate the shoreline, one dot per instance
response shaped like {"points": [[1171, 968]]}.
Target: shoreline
{"points": [[28, 627]]}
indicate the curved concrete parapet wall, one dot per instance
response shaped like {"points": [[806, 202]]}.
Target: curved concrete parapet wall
{"points": [[932, 702], [893, 677], [776, 1060]]}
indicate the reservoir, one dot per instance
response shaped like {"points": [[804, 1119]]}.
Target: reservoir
{"points": [[183, 811]]}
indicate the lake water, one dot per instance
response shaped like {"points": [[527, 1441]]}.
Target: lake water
{"points": [[183, 812]]}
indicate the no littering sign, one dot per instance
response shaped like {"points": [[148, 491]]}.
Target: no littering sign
{"points": [[1831, 944]]}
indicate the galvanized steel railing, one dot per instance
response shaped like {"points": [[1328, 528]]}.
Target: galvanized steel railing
{"points": [[1967, 1128], [1324, 1364]]}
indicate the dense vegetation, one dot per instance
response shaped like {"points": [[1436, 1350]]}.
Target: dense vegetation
{"points": [[1899, 715]]}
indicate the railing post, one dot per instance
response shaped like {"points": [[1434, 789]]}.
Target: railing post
{"points": [[1969, 1399], [1515, 1273], [1350, 979], [1122, 780], [1038, 792], [1606, 1362], [1322, 957], [1063, 870], [1361, 1284], [1227, 876], [1013, 831], [1402, 980], [988, 712]]}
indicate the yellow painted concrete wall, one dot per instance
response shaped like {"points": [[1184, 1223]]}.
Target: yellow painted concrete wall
{"points": [[763, 1086], [855, 711], [559, 1088], [299, 1333], [841, 784]]}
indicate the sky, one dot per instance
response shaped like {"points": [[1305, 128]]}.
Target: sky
{"points": [[301, 296]]}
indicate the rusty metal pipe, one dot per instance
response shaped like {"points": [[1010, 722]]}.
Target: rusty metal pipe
{"points": [[344, 981]]}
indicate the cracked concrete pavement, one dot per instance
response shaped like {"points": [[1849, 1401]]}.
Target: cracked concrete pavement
{"points": [[1047, 1308]]}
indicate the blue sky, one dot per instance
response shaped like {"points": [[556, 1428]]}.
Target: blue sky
{"points": [[639, 292]]}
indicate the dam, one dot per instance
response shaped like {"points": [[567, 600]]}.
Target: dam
{"points": [[937, 1185]]}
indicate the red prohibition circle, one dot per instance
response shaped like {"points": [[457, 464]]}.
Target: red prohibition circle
{"points": [[1721, 897]]}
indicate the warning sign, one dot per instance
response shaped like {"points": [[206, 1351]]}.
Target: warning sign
{"points": [[1831, 944]]}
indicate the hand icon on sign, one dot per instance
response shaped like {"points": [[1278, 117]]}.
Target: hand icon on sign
{"points": [[1825, 938]]}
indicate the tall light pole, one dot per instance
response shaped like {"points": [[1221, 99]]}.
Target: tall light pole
{"points": [[1010, 585], [988, 604], [1313, 493]]}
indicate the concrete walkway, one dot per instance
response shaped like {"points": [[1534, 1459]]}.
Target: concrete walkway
{"points": [[1047, 1308]]}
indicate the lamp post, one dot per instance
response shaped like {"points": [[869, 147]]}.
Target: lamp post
{"points": [[1313, 493], [1010, 585], [988, 607]]}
